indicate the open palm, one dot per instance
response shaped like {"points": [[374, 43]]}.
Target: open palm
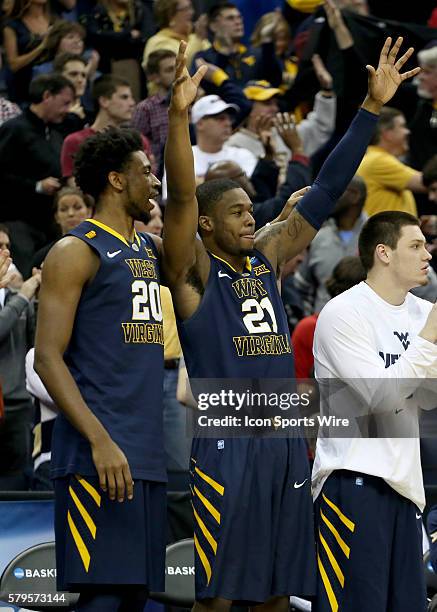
{"points": [[185, 86], [385, 80]]}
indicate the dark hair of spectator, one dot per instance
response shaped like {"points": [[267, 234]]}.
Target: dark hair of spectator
{"points": [[102, 153], [53, 83], [155, 58], [59, 30], [386, 121], [382, 228], [429, 172], [216, 9], [106, 86], [62, 59], [4, 229], [164, 10], [209, 194], [347, 273], [72, 191]]}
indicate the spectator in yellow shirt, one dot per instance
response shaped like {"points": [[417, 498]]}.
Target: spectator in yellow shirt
{"points": [[389, 181]]}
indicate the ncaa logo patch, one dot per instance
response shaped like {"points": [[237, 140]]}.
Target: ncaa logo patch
{"points": [[220, 444], [359, 481], [19, 573]]}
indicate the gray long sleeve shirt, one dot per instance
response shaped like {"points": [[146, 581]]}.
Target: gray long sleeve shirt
{"points": [[17, 329]]}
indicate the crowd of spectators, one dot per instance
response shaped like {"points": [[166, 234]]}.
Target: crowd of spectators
{"points": [[275, 100]]}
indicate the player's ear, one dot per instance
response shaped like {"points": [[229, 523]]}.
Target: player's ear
{"points": [[116, 180], [206, 223], [382, 252]]}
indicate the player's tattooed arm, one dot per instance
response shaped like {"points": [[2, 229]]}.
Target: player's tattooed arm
{"points": [[287, 235]]}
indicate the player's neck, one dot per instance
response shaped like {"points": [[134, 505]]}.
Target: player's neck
{"points": [[116, 219], [386, 287], [237, 262]]}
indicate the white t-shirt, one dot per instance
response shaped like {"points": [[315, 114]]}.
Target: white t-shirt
{"points": [[357, 335], [203, 160]]}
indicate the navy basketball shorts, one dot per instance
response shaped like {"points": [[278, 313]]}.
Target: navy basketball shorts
{"points": [[254, 529], [369, 547], [104, 542]]}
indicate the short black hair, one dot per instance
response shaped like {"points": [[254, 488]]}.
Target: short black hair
{"points": [[429, 172], [106, 86], [382, 228], [348, 272], [210, 192], [62, 59], [52, 82], [216, 9], [102, 153]]}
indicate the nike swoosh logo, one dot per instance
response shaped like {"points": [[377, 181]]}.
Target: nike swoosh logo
{"points": [[418, 516], [223, 274], [298, 486], [398, 410], [113, 254]]}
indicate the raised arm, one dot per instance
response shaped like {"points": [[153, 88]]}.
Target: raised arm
{"points": [[181, 213], [283, 241]]}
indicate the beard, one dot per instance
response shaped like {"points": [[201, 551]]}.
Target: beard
{"points": [[143, 216], [247, 252]]}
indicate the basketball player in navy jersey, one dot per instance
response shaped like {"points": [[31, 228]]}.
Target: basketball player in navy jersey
{"points": [[99, 352], [254, 535]]}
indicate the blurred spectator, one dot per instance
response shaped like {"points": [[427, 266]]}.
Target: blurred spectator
{"points": [[313, 131], [348, 272], [71, 208], [67, 37], [25, 39], [5, 277], [17, 326], [8, 110], [175, 22], [45, 415], [116, 104], [429, 178], [211, 117], [423, 127], [117, 30], [151, 115], [283, 44], [240, 63], [73, 67], [14, 278], [337, 238], [389, 181], [30, 148]]}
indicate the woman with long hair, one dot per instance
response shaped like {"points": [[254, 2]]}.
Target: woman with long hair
{"points": [[24, 38]]}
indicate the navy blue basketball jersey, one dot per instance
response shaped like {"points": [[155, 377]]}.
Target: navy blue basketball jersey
{"points": [[115, 355], [240, 329]]}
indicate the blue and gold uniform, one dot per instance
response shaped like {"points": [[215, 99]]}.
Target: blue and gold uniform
{"points": [[115, 356], [254, 535]]}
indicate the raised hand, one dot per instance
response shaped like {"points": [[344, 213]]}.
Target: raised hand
{"points": [[385, 80], [185, 86]]}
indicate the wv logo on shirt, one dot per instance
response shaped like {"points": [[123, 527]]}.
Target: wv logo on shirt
{"points": [[403, 338], [390, 358]]}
